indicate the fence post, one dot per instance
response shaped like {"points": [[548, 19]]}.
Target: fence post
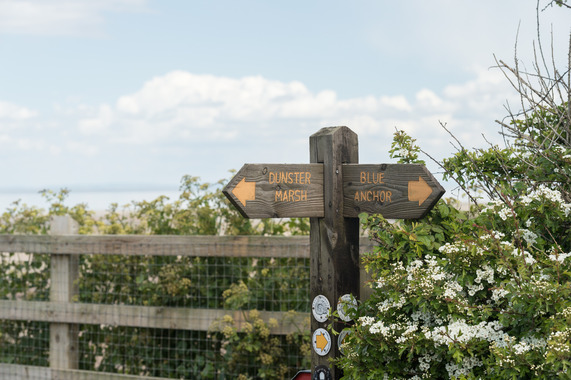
{"points": [[64, 350], [334, 240]]}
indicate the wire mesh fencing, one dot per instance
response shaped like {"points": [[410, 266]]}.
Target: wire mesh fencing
{"points": [[156, 307]]}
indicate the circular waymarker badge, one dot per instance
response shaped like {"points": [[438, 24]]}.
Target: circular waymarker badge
{"points": [[347, 305], [341, 340], [321, 372], [321, 342], [320, 308]]}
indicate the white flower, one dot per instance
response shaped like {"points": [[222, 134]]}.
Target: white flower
{"points": [[529, 260], [496, 235], [366, 321], [504, 213], [449, 248], [424, 362], [408, 333], [521, 348], [472, 289], [499, 293], [451, 289], [460, 331], [528, 344], [529, 236], [492, 206], [486, 274], [559, 257], [388, 304], [527, 257], [455, 371], [567, 312], [380, 328], [542, 192]]}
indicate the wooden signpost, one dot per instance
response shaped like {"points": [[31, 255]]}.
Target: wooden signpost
{"points": [[332, 191]]}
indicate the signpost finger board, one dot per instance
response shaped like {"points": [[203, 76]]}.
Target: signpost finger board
{"points": [[396, 191], [277, 190]]}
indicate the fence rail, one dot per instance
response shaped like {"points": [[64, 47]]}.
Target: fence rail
{"points": [[154, 245], [65, 313], [137, 316], [27, 372]]}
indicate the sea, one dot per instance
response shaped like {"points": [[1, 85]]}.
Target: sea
{"points": [[96, 200]]}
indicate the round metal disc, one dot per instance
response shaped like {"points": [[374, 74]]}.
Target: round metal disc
{"points": [[321, 372], [320, 308], [340, 339], [321, 342], [346, 305]]}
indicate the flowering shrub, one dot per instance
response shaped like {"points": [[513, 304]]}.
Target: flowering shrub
{"points": [[484, 294], [457, 297]]}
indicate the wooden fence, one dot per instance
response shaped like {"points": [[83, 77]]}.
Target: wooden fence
{"points": [[64, 314]]}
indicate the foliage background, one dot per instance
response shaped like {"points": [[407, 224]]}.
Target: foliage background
{"points": [[244, 284]]}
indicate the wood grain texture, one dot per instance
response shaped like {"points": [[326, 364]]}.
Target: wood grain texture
{"points": [[28, 372], [363, 192], [139, 316], [334, 239], [159, 245], [283, 195], [64, 338]]}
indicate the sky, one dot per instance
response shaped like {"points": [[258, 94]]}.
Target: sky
{"points": [[131, 95]]}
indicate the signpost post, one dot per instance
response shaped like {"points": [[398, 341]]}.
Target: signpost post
{"points": [[334, 239], [332, 191]]}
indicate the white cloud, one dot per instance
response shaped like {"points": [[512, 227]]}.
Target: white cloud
{"points": [[184, 108], [97, 124], [213, 98], [483, 86], [428, 99], [28, 144], [81, 148], [54, 150], [181, 123], [397, 102], [60, 17], [12, 111]]}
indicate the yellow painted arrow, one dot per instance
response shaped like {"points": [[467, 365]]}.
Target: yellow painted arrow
{"points": [[418, 191], [245, 191], [321, 342]]}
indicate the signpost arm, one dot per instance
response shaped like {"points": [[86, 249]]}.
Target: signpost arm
{"points": [[334, 239]]}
